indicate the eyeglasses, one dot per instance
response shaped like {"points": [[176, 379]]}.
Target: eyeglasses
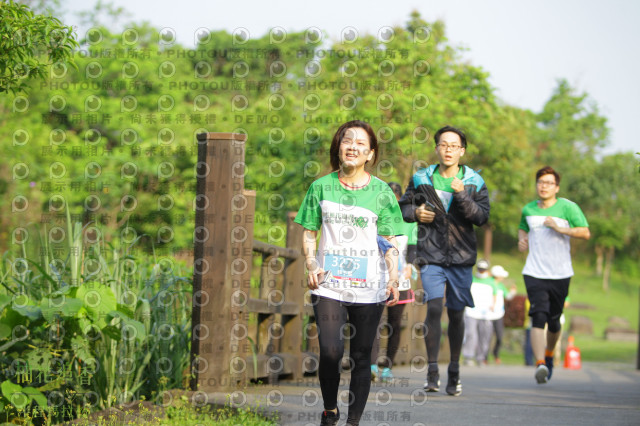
{"points": [[546, 183], [445, 147]]}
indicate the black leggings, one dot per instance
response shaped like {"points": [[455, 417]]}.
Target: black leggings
{"points": [[434, 331], [394, 320], [331, 318], [498, 328]]}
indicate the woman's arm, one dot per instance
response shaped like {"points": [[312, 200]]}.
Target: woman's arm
{"points": [[391, 259], [309, 249]]}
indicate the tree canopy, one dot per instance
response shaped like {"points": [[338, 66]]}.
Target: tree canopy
{"points": [[116, 137], [30, 43]]}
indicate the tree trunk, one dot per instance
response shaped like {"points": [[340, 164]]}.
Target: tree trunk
{"points": [[488, 241], [607, 268], [599, 259]]}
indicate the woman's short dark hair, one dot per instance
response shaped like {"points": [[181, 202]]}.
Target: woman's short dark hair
{"points": [[548, 170], [445, 129], [337, 139]]}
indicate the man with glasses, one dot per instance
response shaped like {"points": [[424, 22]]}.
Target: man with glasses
{"points": [[546, 228], [446, 200]]}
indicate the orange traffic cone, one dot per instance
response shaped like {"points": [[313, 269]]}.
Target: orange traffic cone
{"points": [[572, 359]]}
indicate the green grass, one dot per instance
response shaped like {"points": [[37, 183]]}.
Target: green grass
{"points": [[622, 300], [178, 414], [510, 358], [226, 416], [595, 349], [592, 349]]}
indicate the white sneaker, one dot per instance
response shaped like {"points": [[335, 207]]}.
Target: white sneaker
{"points": [[542, 373]]}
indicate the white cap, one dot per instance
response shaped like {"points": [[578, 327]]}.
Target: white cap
{"points": [[482, 264], [499, 272]]}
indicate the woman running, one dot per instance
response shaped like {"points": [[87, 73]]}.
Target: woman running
{"points": [[352, 208]]}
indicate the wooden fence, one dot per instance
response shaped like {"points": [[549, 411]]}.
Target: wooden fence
{"points": [[272, 335]]}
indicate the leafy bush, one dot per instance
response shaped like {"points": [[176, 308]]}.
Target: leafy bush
{"points": [[99, 328]]}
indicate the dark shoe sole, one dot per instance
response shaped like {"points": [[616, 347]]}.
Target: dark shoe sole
{"points": [[454, 392]]}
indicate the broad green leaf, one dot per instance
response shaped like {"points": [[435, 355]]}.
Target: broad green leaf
{"points": [[9, 388], [22, 300], [133, 326], [98, 301], [14, 394], [52, 385], [35, 395], [60, 305], [51, 307], [139, 327], [71, 307], [31, 312], [5, 331], [118, 314], [5, 299]]}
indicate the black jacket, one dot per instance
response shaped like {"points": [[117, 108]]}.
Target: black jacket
{"points": [[450, 239]]}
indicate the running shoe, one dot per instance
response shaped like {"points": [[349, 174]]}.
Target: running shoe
{"points": [[548, 360], [374, 372], [454, 387], [386, 375], [542, 374], [329, 418], [433, 382]]}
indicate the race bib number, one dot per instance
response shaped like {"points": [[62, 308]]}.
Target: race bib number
{"points": [[347, 268]]}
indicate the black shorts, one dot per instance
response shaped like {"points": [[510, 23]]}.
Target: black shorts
{"points": [[547, 295]]}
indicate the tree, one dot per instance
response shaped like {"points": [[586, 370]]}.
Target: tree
{"points": [[570, 127], [288, 92], [607, 192], [30, 43]]}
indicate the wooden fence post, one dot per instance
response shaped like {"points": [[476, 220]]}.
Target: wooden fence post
{"points": [[294, 289], [242, 249], [224, 226], [412, 335], [267, 322]]}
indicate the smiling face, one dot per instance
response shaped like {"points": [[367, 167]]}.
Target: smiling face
{"points": [[355, 148], [449, 149], [547, 187]]}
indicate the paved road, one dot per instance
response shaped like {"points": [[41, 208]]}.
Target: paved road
{"points": [[598, 394]]}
